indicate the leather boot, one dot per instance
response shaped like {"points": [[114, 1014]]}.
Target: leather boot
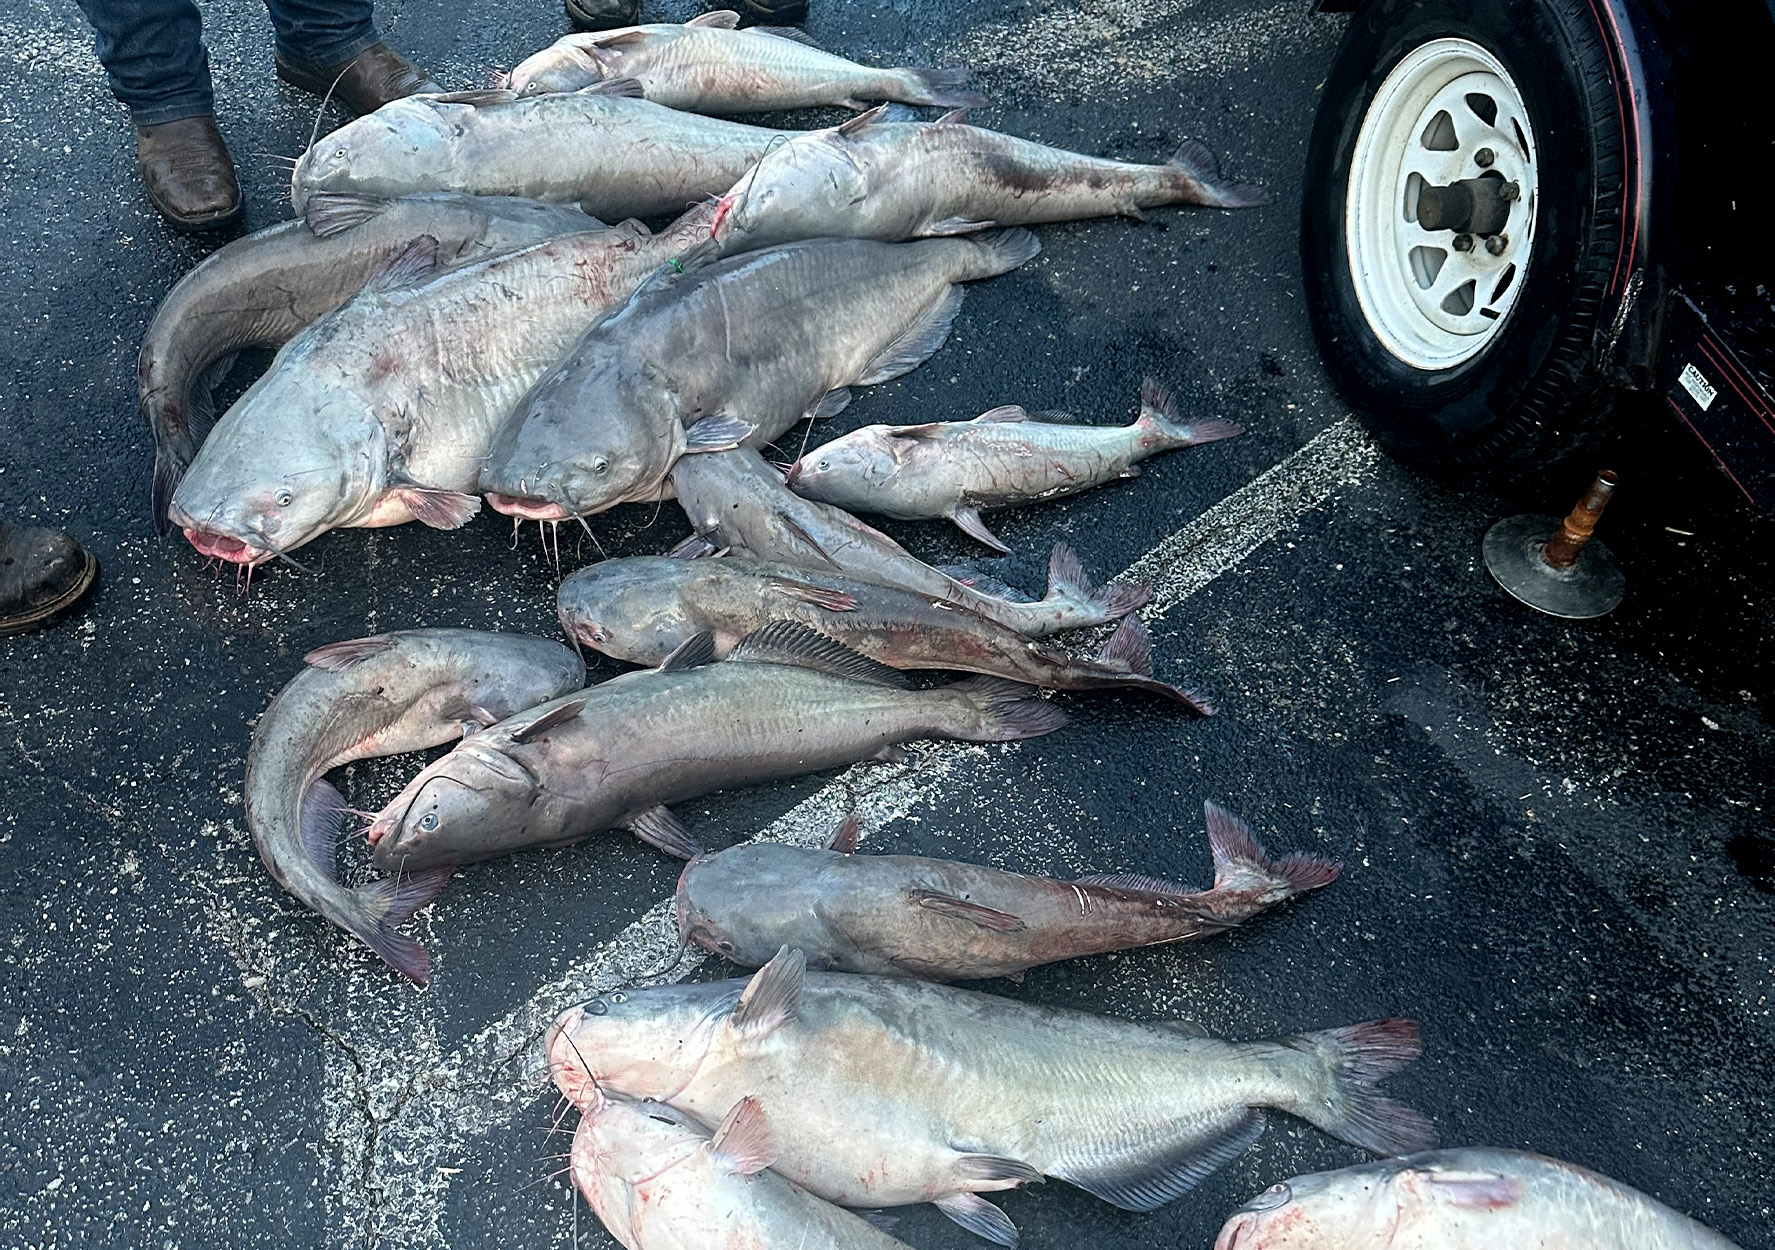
{"points": [[188, 172], [602, 14], [43, 574], [363, 84]]}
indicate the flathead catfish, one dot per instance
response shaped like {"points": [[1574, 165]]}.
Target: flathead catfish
{"points": [[706, 65], [370, 697], [642, 608], [785, 702], [884, 1091], [614, 155], [736, 501], [659, 1181], [738, 349], [261, 290], [1000, 459], [877, 179], [1473, 1198], [382, 411], [905, 915]]}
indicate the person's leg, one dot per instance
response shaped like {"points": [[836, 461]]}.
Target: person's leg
{"points": [[331, 46], [153, 54]]}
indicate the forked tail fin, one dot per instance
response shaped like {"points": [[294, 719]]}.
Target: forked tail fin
{"points": [[1241, 868], [1197, 163], [389, 903], [1345, 1102], [1070, 587]]}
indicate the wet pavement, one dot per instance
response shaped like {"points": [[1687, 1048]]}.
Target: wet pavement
{"points": [[1557, 838]]}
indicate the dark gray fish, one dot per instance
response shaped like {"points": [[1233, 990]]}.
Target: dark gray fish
{"points": [[366, 698], [260, 290], [642, 608], [905, 915], [786, 702]]}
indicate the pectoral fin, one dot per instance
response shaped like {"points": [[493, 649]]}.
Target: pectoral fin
{"points": [[843, 838], [961, 909], [716, 434], [771, 997], [967, 520], [660, 829], [979, 1217], [548, 720], [744, 1143], [819, 596], [956, 225], [440, 509]]}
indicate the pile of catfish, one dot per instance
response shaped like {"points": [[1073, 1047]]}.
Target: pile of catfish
{"points": [[455, 321]]}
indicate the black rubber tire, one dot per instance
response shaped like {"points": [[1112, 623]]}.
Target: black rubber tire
{"points": [[1534, 395]]}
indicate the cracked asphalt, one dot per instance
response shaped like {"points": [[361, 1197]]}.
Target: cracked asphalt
{"points": [[1557, 838]]}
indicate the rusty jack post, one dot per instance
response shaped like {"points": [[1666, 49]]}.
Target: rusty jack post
{"points": [[1556, 566]]}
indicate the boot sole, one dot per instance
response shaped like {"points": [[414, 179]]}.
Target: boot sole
{"points": [[316, 82], [49, 613], [198, 225]]}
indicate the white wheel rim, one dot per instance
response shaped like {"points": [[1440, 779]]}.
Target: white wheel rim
{"points": [[1430, 304]]}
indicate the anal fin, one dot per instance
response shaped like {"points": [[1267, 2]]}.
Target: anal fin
{"points": [[321, 821], [1137, 1180], [918, 342]]}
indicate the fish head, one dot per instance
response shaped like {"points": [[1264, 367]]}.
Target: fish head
{"points": [[833, 473], [803, 190], [515, 673], [747, 902], [478, 801], [558, 67], [597, 432], [644, 1043], [404, 147], [1349, 1209], [620, 1145], [279, 470], [630, 610]]}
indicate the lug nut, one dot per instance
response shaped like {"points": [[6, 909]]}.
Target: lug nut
{"points": [[1463, 243], [1496, 243], [1484, 158], [1510, 191]]}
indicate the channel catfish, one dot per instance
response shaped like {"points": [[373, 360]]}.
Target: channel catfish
{"points": [[382, 411], [884, 1091], [872, 178], [614, 155], [642, 608], [905, 915], [1000, 459], [738, 503], [660, 1181], [706, 65], [370, 697], [785, 702], [260, 290], [738, 349], [1473, 1198]]}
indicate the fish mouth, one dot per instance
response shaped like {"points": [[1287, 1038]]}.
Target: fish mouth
{"points": [[527, 507], [792, 475], [220, 546]]}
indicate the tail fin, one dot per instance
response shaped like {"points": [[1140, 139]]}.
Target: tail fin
{"points": [[1346, 1104], [1159, 410], [1007, 710], [1197, 163], [1095, 605], [1240, 866], [1001, 251], [1129, 654], [389, 903], [946, 88]]}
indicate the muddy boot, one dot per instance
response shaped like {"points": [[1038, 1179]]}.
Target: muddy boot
{"points": [[363, 84], [188, 172], [772, 12], [602, 14], [43, 574]]}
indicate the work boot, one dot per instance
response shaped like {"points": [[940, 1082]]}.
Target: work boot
{"points": [[773, 12], [43, 574], [188, 172], [602, 14], [363, 84]]}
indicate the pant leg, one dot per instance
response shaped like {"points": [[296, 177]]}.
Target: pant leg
{"points": [[322, 33], [153, 54]]}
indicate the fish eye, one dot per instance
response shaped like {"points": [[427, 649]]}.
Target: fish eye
{"points": [[283, 497], [726, 947], [597, 1007], [619, 997], [428, 822], [339, 155], [824, 464], [600, 465], [1276, 1195]]}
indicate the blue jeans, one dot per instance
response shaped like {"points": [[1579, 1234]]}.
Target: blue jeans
{"points": [[153, 50]]}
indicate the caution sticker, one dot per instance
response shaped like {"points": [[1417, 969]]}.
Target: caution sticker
{"points": [[1698, 387]]}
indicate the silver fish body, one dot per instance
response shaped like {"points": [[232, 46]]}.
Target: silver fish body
{"points": [[382, 411], [370, 697], [614, 156], [642, 608], [737, 502], [785, 703], [1474, 1198], [908, 915], [875, 179], [885, 1091], [1000, 459], [707, 66], [259, 291], [659, 1181], [746, 347]]}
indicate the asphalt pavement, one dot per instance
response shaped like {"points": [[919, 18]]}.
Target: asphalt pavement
{"points": [[1557, 838]]}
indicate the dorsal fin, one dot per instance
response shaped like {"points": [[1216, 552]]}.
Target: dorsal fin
{"points": [[475, 99], [878, 113], [694, 652], [720, 19], [620, 39], [954, 117], [548, 720], [802, 646], [1005, 415], [845, 835], [410, 266], [793, 33], [336, 657]]}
